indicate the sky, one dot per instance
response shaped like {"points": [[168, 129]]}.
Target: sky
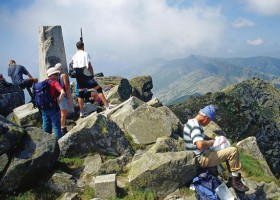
{"points": [[122, 34]]}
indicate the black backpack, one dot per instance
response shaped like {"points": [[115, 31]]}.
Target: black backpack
{"points": [[42, 96], [72, 71]]}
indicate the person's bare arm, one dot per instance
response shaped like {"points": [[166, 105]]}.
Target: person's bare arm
{"points": [[204, 144], [62, 93], [29, 75], [67, 87]]}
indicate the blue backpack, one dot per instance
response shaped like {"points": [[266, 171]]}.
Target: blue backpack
{"points": [[205, 185], [42, 96]]}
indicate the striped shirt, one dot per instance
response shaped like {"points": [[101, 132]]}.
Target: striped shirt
{"points": [[193, 132]]}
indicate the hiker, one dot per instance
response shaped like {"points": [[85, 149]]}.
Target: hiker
{"points": [[67, 99], [16, 71], [196, 141], [3, 82], [51, 117], [85, 76]]}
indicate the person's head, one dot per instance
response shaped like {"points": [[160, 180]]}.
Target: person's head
{"points": [[58, 67], [80, 45], [1, 76], [206, 115], [11, 63], [52, 73]]}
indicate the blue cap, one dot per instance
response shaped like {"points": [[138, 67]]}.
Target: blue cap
{"points": [[209, 111]]}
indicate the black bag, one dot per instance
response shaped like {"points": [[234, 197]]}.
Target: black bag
{"points": [[72, 71]]}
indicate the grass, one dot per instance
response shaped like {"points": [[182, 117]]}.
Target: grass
{"points": [[88, 193], [254, 170], [75, 162], [138, 195]]}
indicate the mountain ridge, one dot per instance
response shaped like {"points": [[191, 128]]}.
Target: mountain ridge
{"points": [[200, 73]]}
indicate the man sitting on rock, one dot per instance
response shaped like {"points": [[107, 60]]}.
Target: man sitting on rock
{"points": [[16, 71], [199, 143]]}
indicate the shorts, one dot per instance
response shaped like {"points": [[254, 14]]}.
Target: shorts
{"points": [[83, 80], [27, 83], [63, 105]]}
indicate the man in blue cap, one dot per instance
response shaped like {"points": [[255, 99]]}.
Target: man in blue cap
{"points": [[199, 143]]}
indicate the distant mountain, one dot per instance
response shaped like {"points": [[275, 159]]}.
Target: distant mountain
{"points": [[178, 79], [249, 108]]}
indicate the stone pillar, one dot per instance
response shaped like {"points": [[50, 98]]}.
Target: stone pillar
{"points": [[51, 49]]}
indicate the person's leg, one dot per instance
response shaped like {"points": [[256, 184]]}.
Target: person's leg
{"points": [[56, 123], [82, 83], [231, 156], [63, 112], [47, 126]]}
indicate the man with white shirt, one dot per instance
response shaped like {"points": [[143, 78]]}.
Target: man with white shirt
{"points": [[85, 76], [199, 143]]}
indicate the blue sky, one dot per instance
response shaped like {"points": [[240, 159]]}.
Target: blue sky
{"points": [[120, 34]]}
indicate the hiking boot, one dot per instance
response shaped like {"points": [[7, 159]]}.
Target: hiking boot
{"points": [[229, 182], [238, 185]]}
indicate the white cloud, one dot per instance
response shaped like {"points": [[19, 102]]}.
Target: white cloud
{"points": [[264, 7], [255, 42], [241, 23], [122, 30]]}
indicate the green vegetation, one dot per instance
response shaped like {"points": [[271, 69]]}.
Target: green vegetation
{"points": [[138, 195], [75, 162], [253, 169], [88, 193], [134, 146], [186, 191], [38, 193]]}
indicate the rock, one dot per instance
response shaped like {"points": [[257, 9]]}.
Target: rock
{"points": [[123, 110], [141, 87], [162, 173], [95, 133], [167, 144], [153, 123], [249, 146], [27, 116], [10, 98], [155, 102], [61, 182], [10, 136], [37, 154]]}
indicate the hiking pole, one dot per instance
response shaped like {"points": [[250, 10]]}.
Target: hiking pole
{"points": [[81, 38]]}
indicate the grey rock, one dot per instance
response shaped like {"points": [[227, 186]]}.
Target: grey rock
{"points": [[147, 123], [95, 133], [10, 98], [27, 116], [37, 154], [141, 87]]}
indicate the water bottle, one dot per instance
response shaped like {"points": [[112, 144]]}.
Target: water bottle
{"points": [[223, 192]]}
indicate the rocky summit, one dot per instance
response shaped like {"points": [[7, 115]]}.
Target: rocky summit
{"points": [[135, 150], [250, 108]]}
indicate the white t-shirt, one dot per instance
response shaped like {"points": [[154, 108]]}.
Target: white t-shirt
{"points": [[81, 59]]}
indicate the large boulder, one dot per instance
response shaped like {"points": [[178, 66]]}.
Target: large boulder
{"points": [[123, 110], [162, 173], [250, 146], [10, 98], [147, 123], [141, 87], [27, 116], [37, 154], [95, 133], [10, 136], [120, 91]]}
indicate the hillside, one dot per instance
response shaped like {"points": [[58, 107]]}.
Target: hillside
{"points": [[250, 108], [175, 80]]}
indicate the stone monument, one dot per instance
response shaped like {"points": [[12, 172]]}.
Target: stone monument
{"points": [[51, 49]]}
